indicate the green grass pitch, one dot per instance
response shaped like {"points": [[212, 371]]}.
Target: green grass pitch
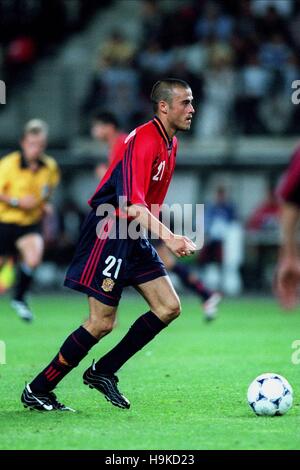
{"points": [[187, 388]]}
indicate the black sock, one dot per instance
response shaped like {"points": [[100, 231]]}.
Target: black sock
{"points": [[143, 330], [73, 350], [23, 281], [191, 282]]}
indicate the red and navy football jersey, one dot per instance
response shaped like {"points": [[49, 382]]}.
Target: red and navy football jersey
{"points": [[289, 186], [142, 170]]}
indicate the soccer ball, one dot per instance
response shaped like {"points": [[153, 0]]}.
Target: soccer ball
{"points": [[270, 395]]}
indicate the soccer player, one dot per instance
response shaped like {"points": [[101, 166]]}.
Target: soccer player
{"points": [[105, 128], [287, 280], [27, 179], [103, 265]]}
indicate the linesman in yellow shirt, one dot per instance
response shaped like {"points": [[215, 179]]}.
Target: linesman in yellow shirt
{"points": [[27, 179]]}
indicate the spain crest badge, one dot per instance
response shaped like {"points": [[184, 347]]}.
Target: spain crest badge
{"points": [[108, 284]]}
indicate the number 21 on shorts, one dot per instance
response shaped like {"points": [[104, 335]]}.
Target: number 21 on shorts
{"points": [[113, 267]]}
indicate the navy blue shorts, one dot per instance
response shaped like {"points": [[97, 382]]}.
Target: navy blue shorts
{"points": [[103, 266], [10, 234]]}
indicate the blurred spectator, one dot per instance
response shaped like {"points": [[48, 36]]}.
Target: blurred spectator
{"points": [[111, 85], [276, 109], [246, 23], [21, 50], [219, 92], [151, 22], [284, 7], [115, 81], [266, 215], [154, 60], [117, 51], [218, 215], [274, 53], [61, 230], [21, 53], [178, 26], [105, 128], [294, 29], [223, 249], [245, 50], [272, 23], [214, 22], [195, 56], [254, 82], [262, 235], [30, 29]]}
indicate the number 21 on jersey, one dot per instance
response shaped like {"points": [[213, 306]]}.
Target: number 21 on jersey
{"points": [[160, 171]]}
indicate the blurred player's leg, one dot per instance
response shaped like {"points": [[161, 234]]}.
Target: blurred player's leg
{"points": [[210, 300], [31, 248]]}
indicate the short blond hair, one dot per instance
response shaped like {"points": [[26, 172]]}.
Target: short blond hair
{"points": [[36, 126]]}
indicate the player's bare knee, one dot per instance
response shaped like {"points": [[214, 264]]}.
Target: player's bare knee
{"points": [[174, 311], [99, 326], [169, 311]]}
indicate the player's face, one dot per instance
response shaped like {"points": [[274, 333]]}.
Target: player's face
{"points": [[100, 131], [181, 110], [33, 146]]}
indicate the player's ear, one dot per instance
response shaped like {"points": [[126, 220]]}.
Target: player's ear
{"points": [[163, 107]]}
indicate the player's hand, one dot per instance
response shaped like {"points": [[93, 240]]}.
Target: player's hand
{"points": [[287, 282], [28, 202], [180, 245]]}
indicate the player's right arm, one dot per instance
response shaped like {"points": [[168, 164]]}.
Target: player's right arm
{"points": [[178, 244]]}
